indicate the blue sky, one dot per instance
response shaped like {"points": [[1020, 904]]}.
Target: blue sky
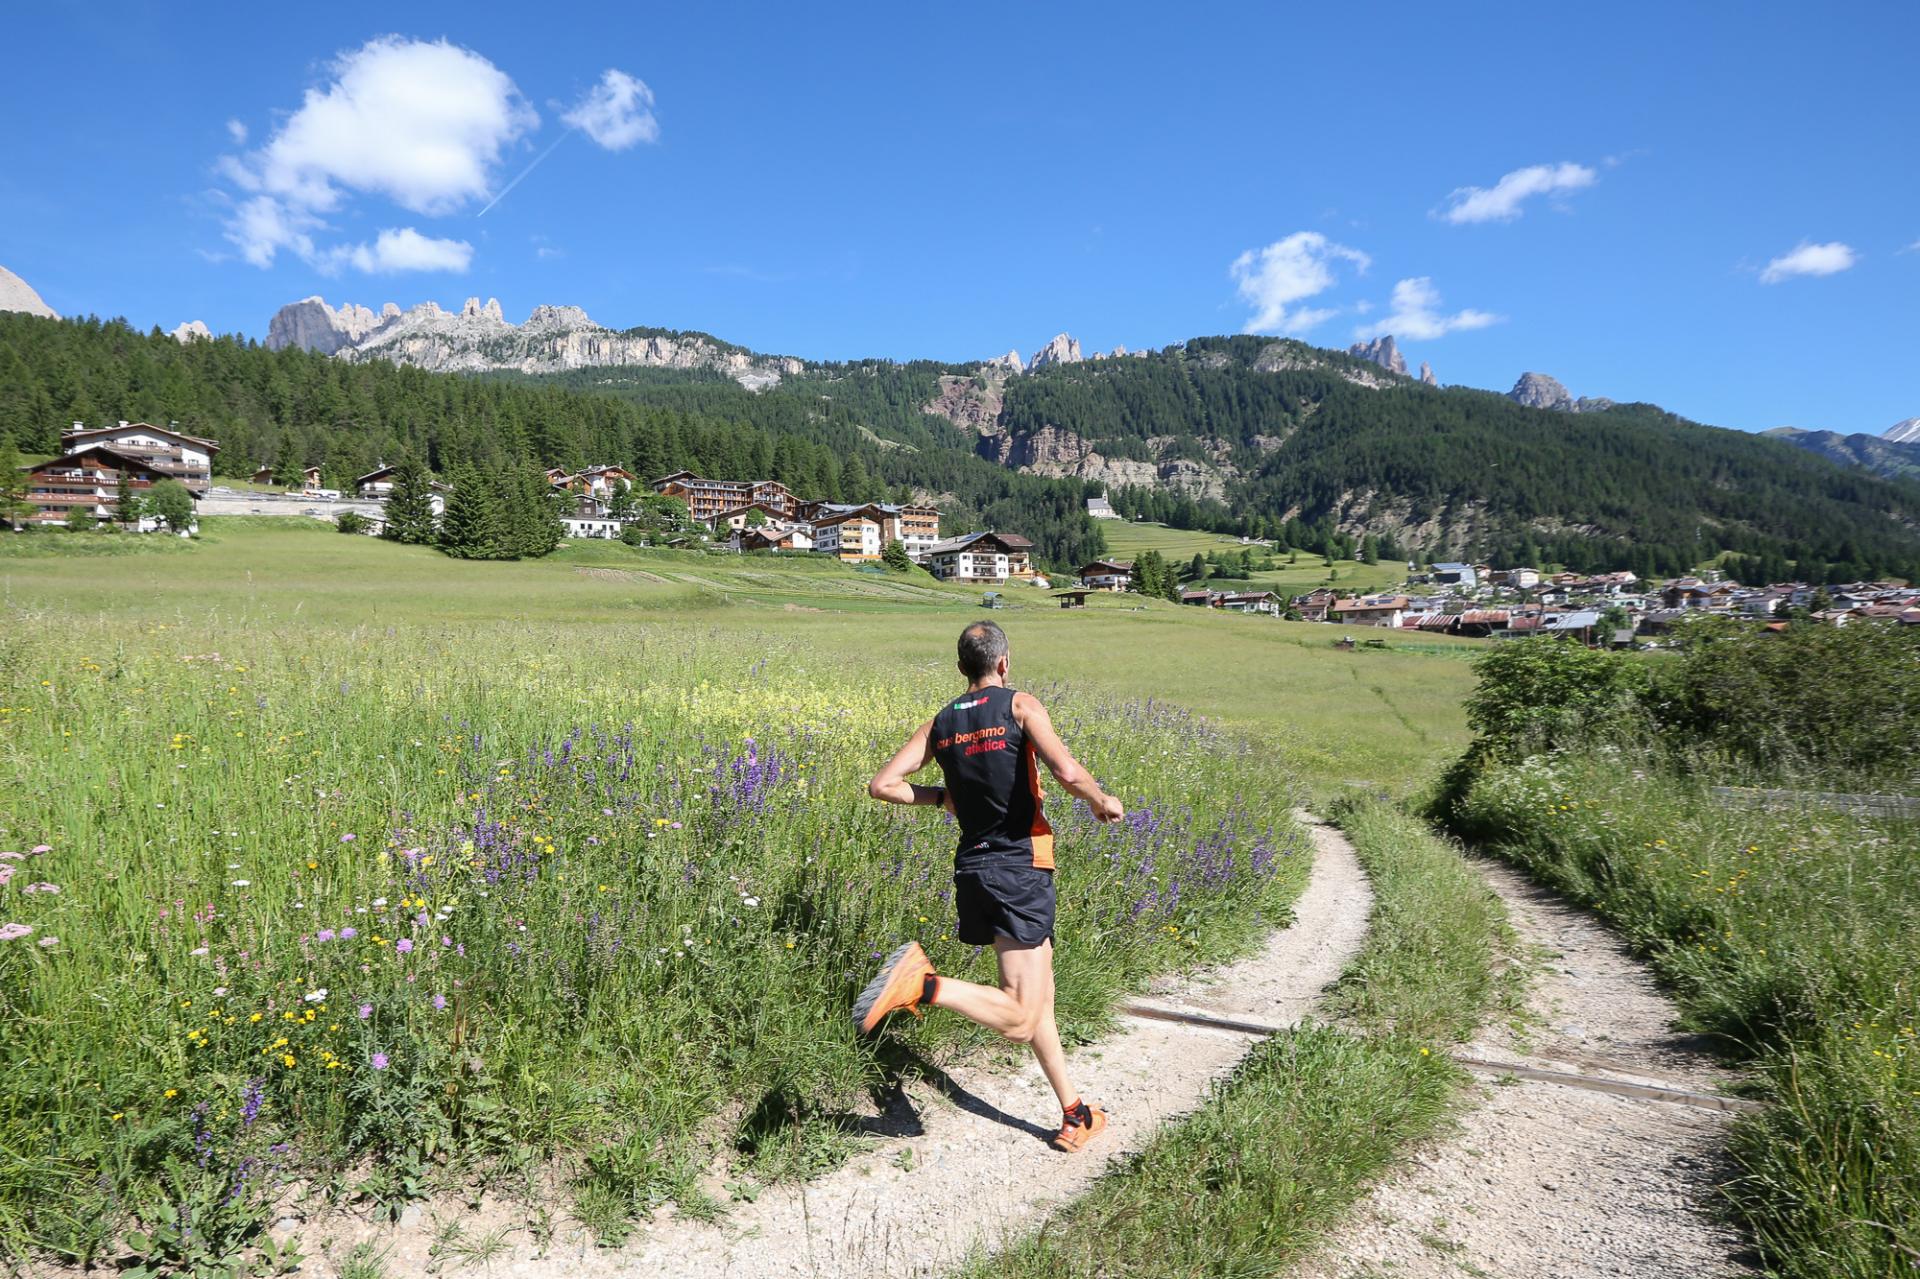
{"points": [[951, 181]]}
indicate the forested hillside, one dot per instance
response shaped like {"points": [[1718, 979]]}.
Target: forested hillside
{"points": [[266, 406], [1237, 434], [1306, 435]]}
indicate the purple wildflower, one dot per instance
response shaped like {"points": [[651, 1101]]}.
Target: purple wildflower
{"points": [[404, 945], [251, 1100], [348, 934], [379, 1061], [366, 1011], [347, 838], [440, 1003], [325, 934]]}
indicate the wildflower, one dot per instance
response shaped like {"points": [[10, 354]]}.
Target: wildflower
{"points": [[379, 1061], [347, 838], [243, 883], [366, 1011], [171, 1093], [439, 1003], [219, 991], [39, 849], [198, 950], [315, 996], [13, 932], [256, 1017], [324, 935], [288, 1059], [404, 945], [348, 934], [42, 887], [48, 943]]}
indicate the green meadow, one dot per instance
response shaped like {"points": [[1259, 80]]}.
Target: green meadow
{"points": [[1125, 540], [354, 871]]}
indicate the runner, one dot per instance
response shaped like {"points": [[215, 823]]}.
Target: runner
{"points": [[986, 741]]}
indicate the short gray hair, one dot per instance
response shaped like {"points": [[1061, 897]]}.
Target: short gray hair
{"points": [[982, 645]]}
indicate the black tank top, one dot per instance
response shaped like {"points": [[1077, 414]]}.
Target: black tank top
{"points": [[993, 778]]}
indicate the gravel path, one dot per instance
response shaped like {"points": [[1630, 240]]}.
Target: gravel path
{"points": [[974, 1169], [1542, 1181]]}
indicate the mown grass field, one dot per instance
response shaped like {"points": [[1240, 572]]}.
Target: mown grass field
{"points": [[379, 873], [1125, 540]]}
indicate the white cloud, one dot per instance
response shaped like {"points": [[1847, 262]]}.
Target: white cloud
{"points": [[1289, 271], [421, 123], [1501, 202], [616, 113], [238, 132], [399, 250], [1809, 259], [1416, 316]]}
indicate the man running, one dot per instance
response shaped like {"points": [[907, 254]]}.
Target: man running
{"points": [[986, 741]]}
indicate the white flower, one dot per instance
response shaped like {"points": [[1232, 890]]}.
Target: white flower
{"points": [[198, 950], [315, 996], [379, 901], [219, 991], [243, 883], [749, 901]]}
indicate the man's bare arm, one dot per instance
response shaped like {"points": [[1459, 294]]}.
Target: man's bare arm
{"points": [[1066, 770], [890, 784]]}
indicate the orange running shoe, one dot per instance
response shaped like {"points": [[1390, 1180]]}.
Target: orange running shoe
{"points": [[1079, 1125], [897, 985]]}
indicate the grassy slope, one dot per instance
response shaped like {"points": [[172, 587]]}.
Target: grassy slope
{"points": [[1126, 540], [1383, 716], [1294, 1137]]}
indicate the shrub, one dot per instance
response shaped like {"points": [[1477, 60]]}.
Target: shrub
{"points": [[1544, 691], [351, 522]]}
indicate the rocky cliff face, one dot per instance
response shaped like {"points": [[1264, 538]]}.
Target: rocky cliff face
{"points": [[1426, 374], [1058, 453], [1011, 362], [17, 295], [192, 331], [1380, 351], [1538, 391], [1907, 432], [1064, 349], [479, 338]]}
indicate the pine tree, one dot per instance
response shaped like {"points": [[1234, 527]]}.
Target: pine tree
{"points": [[289, 474], [13, 490], [410, 505], [896, 558], [1197, 571], [128, 506], [473, 527]]}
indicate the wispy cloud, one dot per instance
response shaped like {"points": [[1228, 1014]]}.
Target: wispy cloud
{"points": [[238, 132], [1289, 271], [394, 251], [1503, 201], [1416, 316], [616, 113], [1807, 258]]}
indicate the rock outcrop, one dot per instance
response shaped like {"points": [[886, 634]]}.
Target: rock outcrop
{"points": [[479, 338], [1380, 351], [192, 331], [1538, 391], [1426, 374], [1064, 349], [1058, 453], [1011, 362], [1907, 432], [17, 295]]}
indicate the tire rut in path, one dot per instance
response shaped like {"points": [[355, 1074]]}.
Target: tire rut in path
{"points": [[1547, 1182], [980, 1171]]}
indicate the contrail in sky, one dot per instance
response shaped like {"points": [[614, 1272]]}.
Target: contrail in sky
{"points": [[523, 174]]}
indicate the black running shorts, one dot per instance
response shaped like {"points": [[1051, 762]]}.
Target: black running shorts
{"points": [[1003, 897]]}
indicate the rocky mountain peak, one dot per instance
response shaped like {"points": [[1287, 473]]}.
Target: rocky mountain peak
{"points": [[1426, 374], [1064, 349], [1907, 432], [1011, 362], [17, 295], [192, 331], [478, 338], [1538, 391], [1381, 351]]}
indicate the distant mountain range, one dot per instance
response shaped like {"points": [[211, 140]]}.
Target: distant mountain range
{"points": [[1896, 451]]}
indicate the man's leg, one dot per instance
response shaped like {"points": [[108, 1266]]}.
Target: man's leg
{"points": [[1021, 1009]]}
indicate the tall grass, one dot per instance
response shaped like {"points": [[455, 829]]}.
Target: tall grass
{"points": [[1794, 937], [1281, 1149], [390, 911]]}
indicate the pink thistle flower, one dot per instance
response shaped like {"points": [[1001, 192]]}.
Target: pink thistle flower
{"points": [[366, 1011], [42, 848], [42, 887], [13, 932], [48, 942], [379, 1061]]}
